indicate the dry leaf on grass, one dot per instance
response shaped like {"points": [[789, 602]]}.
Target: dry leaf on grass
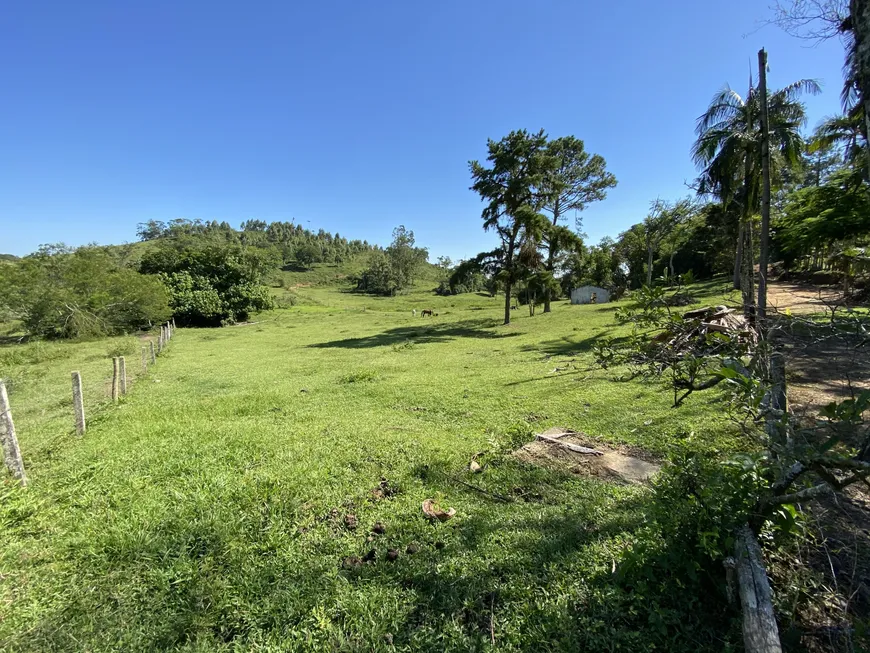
{"points": [[433, 511]]}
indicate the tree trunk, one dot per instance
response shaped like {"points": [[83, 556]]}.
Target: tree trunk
{"points": [[551, 255], [671, 265], [764, 238], [649, 264], [509, 267], [748, 285], [760, 632], [860, 14], [738, 257], [748, 275]]}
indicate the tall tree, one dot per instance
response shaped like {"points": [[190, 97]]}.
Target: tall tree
{"points": [[577, 180], [405, 257], [511, 186], [728, 149]]}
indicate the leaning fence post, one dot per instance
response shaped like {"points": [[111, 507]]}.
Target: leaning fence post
{"points": [[144, 360], [11, 451], [122, 365], [153, 354], [78, 402], [115, 381]]}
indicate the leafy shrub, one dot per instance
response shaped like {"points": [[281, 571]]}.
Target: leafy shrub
{"points": [[86, 292], [211, 282], [394, 269]]}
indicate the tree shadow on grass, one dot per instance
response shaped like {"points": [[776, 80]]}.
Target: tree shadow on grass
{"points": [[567, 346], [425, 333]]}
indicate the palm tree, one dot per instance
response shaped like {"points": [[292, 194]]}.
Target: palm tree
{"points": [[728, 151]]}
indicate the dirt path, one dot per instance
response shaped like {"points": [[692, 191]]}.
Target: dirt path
{"points": [[818, 372], [799, 298]]}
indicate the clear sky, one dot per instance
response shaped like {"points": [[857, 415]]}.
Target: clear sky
{"points": [[354, 116]]}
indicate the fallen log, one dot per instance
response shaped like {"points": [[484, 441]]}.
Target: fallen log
{"points": [[576, 448], [760, 632]]}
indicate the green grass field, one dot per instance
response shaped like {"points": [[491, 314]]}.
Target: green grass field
{"points": [[213, 508]]}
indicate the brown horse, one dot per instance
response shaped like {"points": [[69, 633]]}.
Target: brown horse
{"points": [[427, 311]]}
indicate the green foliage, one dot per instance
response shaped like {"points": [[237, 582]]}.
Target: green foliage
{"points": [[513, 188], [699, 501], [728, 147], [308, 254], [64, 293], [286, 240], [464, 278], [835, 212], [396, 268], [211, 282]]}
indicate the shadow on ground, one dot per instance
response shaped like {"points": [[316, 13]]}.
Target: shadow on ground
{"points": [[567, 346], [422, 334]]}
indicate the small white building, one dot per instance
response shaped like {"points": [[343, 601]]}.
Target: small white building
{"points": [[585, 295]]}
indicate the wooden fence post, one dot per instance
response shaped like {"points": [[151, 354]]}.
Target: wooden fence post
{"points": [[115, 381], [11, 451], [169, 329], [153, 353], [173, 324], [78, 402], [122, 365], [144, 360]]}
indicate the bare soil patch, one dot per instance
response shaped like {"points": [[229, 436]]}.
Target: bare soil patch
{"points": [[621, 464], [801, 298], [826, 371]]}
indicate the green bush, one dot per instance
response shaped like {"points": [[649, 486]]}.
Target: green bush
{"points": [[86, 292], [211, 282]]}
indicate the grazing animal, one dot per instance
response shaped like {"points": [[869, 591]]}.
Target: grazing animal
{"points": [[427, 311]]}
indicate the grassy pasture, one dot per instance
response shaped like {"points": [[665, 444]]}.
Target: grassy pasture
{"points": [[225, 502]]}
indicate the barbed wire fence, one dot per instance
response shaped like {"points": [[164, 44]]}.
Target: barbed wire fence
{"points": [[81, 388]]}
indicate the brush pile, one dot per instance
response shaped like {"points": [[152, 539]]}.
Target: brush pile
{"points": [[698, 324]]}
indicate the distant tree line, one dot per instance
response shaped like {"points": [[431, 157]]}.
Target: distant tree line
{"points": [[201, 273], [291, 243]]}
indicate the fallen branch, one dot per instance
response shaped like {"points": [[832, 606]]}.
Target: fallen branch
{"points": [[471, 486], [802, 495], [576, 448]]}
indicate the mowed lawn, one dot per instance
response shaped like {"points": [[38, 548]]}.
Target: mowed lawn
{"points": [[227, 503]]}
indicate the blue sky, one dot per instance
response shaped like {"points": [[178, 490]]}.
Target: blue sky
{"points": [[354, 116]]}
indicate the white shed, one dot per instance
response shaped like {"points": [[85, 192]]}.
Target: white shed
{"points": [[584, 294]]}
